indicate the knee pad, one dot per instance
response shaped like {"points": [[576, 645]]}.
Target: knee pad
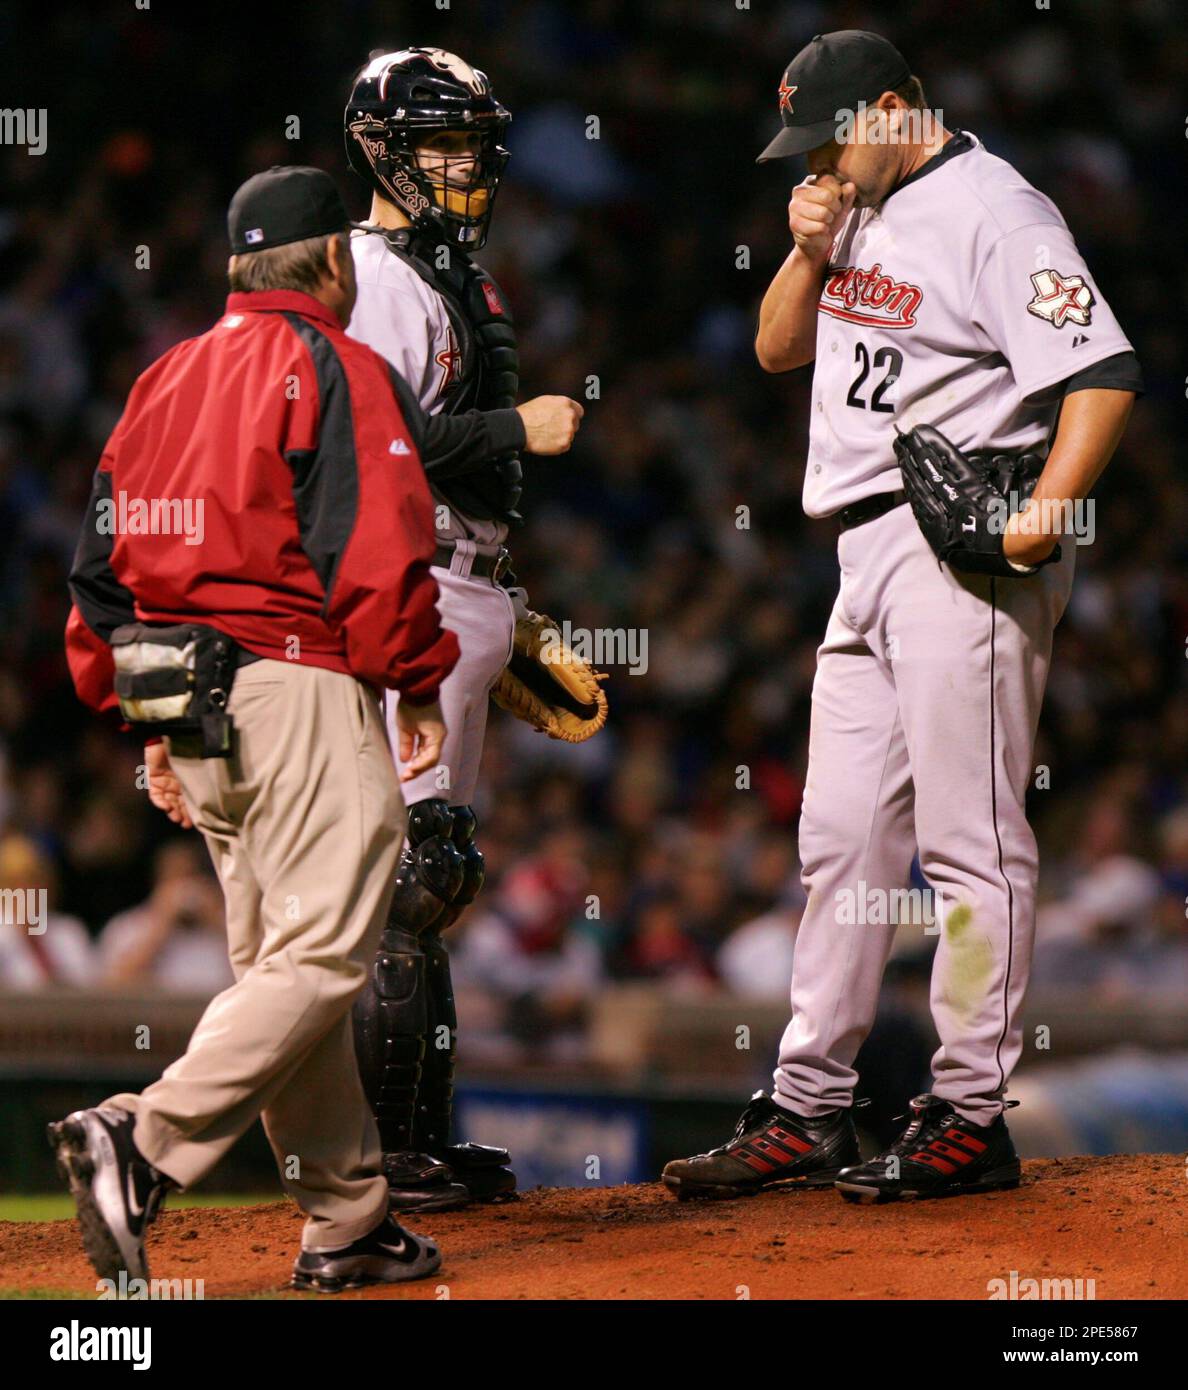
{"points": [[431, 872], [463, 824], [429, 819], [473, 865], [474, 873]]}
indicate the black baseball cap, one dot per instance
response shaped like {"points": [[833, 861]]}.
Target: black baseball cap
{"points": [[832, 73], [285, 203]]}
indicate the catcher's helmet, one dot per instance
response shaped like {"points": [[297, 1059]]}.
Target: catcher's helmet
{"points": [[396, 101]]}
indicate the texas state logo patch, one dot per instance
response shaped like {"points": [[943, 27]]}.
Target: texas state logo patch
{"points": [[1061, 299]]}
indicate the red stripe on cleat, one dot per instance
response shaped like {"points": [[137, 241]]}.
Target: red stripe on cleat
{"points": [[789, 1140], [959, 1156], [756, 1161], [942, 1165]]}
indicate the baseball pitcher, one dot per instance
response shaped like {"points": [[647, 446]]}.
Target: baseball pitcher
{"points": [[969, 385], [425, 131]]}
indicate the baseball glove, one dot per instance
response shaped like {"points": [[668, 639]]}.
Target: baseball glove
{"points": [[963, 502], [546, 685]]}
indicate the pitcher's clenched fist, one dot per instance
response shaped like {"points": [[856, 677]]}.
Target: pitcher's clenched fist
{"points": [[816, 211]]}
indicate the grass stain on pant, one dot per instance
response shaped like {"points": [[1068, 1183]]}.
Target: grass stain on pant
{"points": [[970, 962]]}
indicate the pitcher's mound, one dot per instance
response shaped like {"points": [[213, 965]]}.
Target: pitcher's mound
{"points": [[1117, 1222]]}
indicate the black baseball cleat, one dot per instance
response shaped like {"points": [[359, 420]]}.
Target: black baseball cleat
{"points": [[938, 1155], [771, 1148], [482, 1169], [387, 1255], [420, 1182], [116, 1190]]}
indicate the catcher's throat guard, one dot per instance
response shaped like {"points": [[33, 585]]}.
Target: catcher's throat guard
{"points": [[548, 686]]}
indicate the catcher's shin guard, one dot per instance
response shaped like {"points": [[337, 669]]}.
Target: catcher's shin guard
{"points": [[481, 1168], [390, 1018]]}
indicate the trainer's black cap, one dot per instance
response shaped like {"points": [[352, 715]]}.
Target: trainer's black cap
{"points": [[286, 203], [831, 74]]}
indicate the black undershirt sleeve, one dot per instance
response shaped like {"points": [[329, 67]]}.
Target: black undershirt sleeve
{"points": [[1118, 373], [450, 445]]}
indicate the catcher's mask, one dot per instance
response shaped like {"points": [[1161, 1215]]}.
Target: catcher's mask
{"points": [[397, 101]]}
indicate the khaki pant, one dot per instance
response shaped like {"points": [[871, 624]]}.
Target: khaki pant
{"points": [[304, 825]]}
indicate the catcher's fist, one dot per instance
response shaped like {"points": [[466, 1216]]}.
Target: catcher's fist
{"points": [[816, 211], [550, 423]]}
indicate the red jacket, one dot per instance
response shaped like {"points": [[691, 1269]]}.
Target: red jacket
{"points": [[286, 493]]}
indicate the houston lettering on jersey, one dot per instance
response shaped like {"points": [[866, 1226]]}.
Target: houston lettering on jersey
{"points": [[869, 296]]}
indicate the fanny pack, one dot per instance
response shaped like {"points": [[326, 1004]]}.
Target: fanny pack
{"points": [[175, 680]]}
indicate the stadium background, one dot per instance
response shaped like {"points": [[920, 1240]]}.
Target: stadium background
{"points": [[637, 258]]}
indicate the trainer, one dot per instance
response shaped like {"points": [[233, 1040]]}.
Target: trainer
{"points": [[256, 641]]}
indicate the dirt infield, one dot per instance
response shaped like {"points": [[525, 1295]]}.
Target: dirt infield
{"points": [[1118, 1221]]}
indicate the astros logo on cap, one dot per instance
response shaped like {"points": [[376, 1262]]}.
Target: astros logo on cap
{"points": [[786, 97]]}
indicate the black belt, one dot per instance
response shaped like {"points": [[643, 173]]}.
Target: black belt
{"points": [[245, 658], [869, 508], [492, 567]]}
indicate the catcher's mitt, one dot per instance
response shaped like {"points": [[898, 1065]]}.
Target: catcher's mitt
{"points": [[963, 502], [549, 687]]}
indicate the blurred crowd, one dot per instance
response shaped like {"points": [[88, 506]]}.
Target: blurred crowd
{"points": [[664, 849]]}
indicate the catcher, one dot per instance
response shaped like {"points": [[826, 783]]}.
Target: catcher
{"points": [[425, 132]]}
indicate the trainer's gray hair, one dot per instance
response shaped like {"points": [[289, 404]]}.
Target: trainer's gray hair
{"points": [[299, 265]]}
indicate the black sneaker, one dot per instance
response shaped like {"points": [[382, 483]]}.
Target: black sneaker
{"points": [[938, 1155], [420, 1182], [771, 1147], [387, 1255], [116, 1190], [482, 1169]]}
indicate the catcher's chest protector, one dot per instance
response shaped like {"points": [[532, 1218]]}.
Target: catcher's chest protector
{"points": [[488, 377]]}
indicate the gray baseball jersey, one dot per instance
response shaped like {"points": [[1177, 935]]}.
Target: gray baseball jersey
{"points": [[405, 320], [960, 302]]}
